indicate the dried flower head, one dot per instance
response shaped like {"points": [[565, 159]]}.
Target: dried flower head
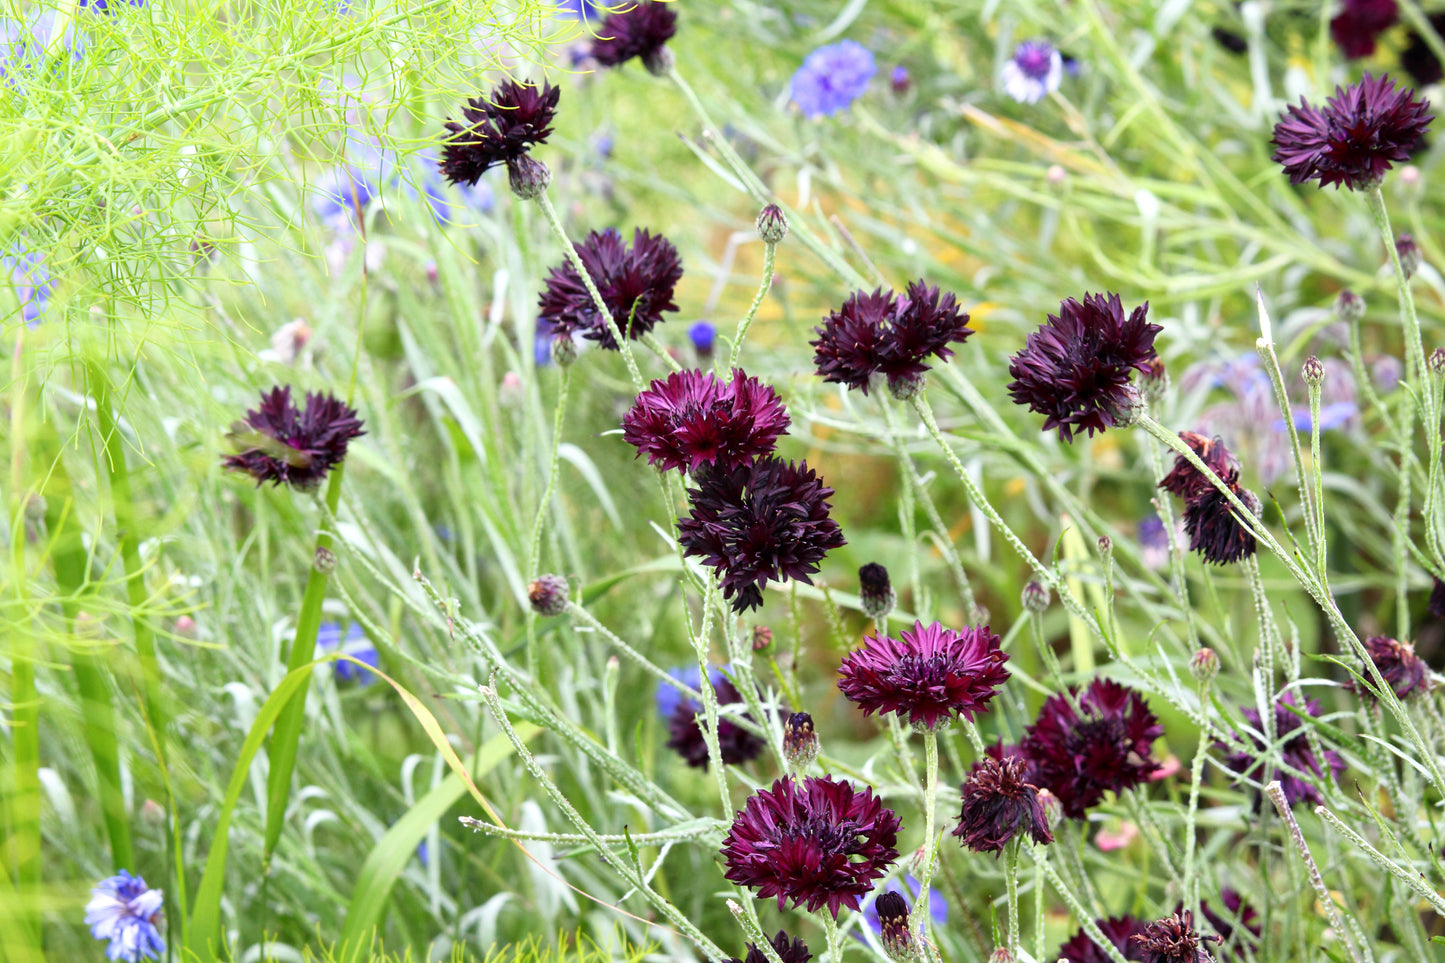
{"points": [[1363, 130], [1213, 529], [759, 522], [1172, 940], [642, 31], [1399, 666], [279, 444], [817, 843], [999, 803], [498, 130], [882, 333], [636, 283], [1118, 930], [692, 419], [1294, 746], [1186, 481], [1075, 368], [789, 951], [875, 591], [928, 675], [684, 726], [1104, 746]]}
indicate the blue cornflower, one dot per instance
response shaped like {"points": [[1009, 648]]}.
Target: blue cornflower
{"points": [[31, 279], [704, 337], [832, 77], [899, 79], [1335, 415], [1034, 71], [351, 187], [580, 9], [125, 911], [451, 202], [103, 6], [354, 644], [937, 908], [668, 698]]}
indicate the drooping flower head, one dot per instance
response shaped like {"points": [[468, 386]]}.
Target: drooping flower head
{"points": [[500, 129], [1075, 368], [928, 675], [1356, 27], [1399, 666], [353, 642], [685, 735], [759, 522], [999, 803], [1213, 529], [1295, 750], [125, 911], [1033, 72], [636, 282], [1363, 130], [281, 444], [882, 333], [1172, 940], [1118, 930], [692, 419], [832, 77], [1078, 756], [1186, 481], [642, 30], [817, 843], [789, 950]]}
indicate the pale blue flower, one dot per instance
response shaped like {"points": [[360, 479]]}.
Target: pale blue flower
{"points": [[579, 9], [31, 280], [669, 698], [1033, 72], [354, 644], [123, 910], [1332, 416], [452, 202], [832, 77]]}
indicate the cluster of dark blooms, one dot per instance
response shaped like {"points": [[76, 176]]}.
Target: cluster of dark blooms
{"points": [[755, 518]]}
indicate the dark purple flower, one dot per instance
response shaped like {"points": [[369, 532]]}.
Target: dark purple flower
{"points": [[927, 676], [1229, 40], [1118, 930], [1294, 748], [1436, 605], [1214, 531], [1186, 481], [685, 734], [1399, 666], [1419, 60], [1080, 757], [1364, 129], [819, 843], [1000, 803], [498, 131], [1242, 918], [641, 31], [881, 333], [636, 283], [789, 951], [692, 419], [759, 522], [1172, 940], [1356, 27], [280, 444], [1075, 368]]}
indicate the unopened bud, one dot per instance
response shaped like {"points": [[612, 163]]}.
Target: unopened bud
{"points": [[528, 176], [907, 387], [325, 561], [1053, 809], [895, 933], [1437, 361], [875, 592], [1106, 545], [1129, 408], [548, 595], [1204, 665], [1409, 253], [800, 743], [1036, 596], [1313, 371], [1349, 306], [762, 638], [564, 350], [772, 224]]}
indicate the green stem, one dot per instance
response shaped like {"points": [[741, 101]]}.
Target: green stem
{"points": [[930, 841], [769, 254], [1317, 478], [1414, 345], [534, 552], [709, 701], [1085, 918], [835, 949], [1281, 399], [1011, 876], [1196, 773]]}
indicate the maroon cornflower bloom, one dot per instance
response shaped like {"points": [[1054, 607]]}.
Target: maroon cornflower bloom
{"points": [[759, 522], [1080, 757], [1418, 59], [1401, 668], [1356, 27], [1213, 529], [498, 131], [685, 735], [1436, 604], [692, 419], [1172, 940], [1075, 368], [1118, 930], [636, 283], [1186, 481], [789, 951], [639, 31], [819, 843], [998, 804], [1364, 129], [928, 675], [281, 444], [881, 333], [1295, 749], [1240, 911]]}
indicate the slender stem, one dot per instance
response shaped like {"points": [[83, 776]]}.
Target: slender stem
{"points": [[1281, 399], [534, 551], [1317, 472], [709, 701], [703, 828], [835, 948], [1401, 534], [1409, 877], [1196, 773], [1275, 792], [1414, 345], [1011, 876], [1041, 855], [930, 841], [1085, 918], [649, 340], [769, 255]]}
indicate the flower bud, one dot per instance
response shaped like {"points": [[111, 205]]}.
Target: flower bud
{"points": [[906, 388], [772, 224], [703, 335], [1313, 371], [875, 592], [564, 350], [800, 743], [548, 595], [1349, 306], [762, 638], [1204, 665], [1409, 253], [1106, 545], [1437, 361], [895, 932], [1129, 408], [1036, 596], [1053, 809], [325, 561], [899, 80], [528, 176]]}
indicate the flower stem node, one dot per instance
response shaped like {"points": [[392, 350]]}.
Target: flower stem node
{"points": [[1349, 306], [800, 743], [1036, 597], [1313, 371], [1204, 665], [875, 592], [772, 224], [528, 176], [325, 561], [1409, 254], [548, 595]]}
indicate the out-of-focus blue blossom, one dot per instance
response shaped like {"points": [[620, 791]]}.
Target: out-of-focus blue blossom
{"points": [[452, 202], [580, 9], [1033, 72], [31, 280], [704, 337], [354, 644], [1154, 541], [423, 853], [127, 912], [603, 143], [937, 908], [105, 6], [668, 698], [832, 77], [1386, 371], [1337, 415], [900, 80]]}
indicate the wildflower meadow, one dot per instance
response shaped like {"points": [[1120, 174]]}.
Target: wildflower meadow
{"points": [[550, 480]]}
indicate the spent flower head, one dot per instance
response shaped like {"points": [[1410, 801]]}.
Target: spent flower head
{"points": [[999, 805], [1403, 671], [1172, 940], [1363, 130], [927, 676]]}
